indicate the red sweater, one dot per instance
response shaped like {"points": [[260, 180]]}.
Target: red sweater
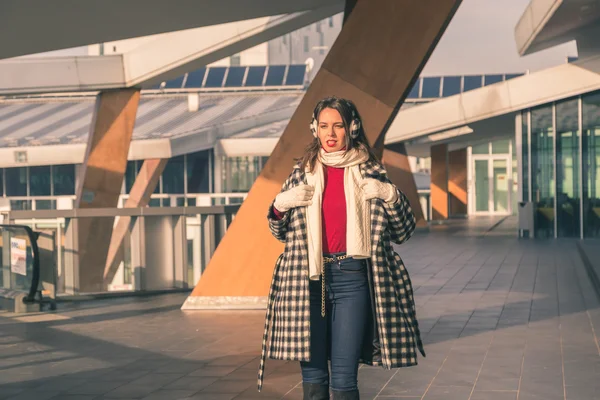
{"points": [[333, 217]]}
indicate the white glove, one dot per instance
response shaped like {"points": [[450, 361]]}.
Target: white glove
{"points": [[298, 196], [374, 189]]}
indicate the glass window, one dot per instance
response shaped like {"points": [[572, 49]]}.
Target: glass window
{"points": [[451, 86], [483, 148], [133, 167], [275, 75], [525, 154], [491, 79], [331, 22], [431, 87], [39, 181], [215, 77], [512, 76], [173, 176], [482, 186], [567, 169], [414, 92], [501, 146], [239, 173], [16, 181], [471, 82], [542, 170], [1, 182], [306, 44], [198, 172], [63, 179], [295, 75], [255, 76], [174, 83], [235, 77], [195, 78], [591, 165]]}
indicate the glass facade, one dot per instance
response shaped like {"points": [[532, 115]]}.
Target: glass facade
{"points": [[525, 155], [591, 165], [173, 177], [542, 170], [567, 169], [239, 173], [562, 159]]}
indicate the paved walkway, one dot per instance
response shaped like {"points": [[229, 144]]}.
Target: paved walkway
{"points": [[501, 318]]}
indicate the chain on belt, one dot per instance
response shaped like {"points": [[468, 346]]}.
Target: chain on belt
{"points": [[327, 260]]}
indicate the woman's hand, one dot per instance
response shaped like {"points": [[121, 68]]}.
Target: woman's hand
{"points": [[298, 196], [374, 189]]}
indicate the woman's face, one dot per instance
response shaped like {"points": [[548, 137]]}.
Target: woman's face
{"points": [[331, 132]]}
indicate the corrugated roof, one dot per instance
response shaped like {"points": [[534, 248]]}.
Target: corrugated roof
{"points": [[67, 121]]}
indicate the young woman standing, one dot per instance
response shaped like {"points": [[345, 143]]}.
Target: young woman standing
{"points": [[340, 293]]}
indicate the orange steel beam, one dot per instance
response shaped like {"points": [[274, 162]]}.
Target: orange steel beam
{"points": [[439, 182], [395, 161], [139, 196], [101, 179], [375, 60]]}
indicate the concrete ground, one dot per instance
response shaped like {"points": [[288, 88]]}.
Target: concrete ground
{"points": [[502, 319]]}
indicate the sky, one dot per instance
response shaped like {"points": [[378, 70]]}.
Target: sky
{"points": [[480, 39]]}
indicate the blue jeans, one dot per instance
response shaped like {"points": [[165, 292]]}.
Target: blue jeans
{"points": [[340, 334]]}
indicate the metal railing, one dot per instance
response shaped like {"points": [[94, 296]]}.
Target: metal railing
{"points": [[149, 249]]}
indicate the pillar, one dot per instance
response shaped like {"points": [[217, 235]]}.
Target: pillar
{"points": [[375, 60], [457, 182], [100, 181], [439, 182], [139, 196], [398, 168]]}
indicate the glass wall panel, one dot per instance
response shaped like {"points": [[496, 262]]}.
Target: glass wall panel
{"points": [[471, 82], [525, 155], [591, 165], [173, 176], [239, 173], [451, 86], [542, 170], [63, 179], [131, 172], [39, 181], [198, 172], [483, 148], [500, 170], [501, 146], [482, 186], [16, 181], [431, 87], [567, 169]]}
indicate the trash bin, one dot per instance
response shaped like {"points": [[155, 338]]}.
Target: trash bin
{"points": [[526, 224]]}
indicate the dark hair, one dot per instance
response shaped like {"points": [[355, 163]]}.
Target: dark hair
{"points": [[348, 111]]}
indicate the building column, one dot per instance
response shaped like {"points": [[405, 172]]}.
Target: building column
{"points": [[139, 196], [367, 64], [395, 161], [439, 182], [100, 181], [457, 182]]}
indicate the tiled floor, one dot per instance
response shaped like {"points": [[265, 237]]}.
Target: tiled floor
{"points": [[501, 318]]}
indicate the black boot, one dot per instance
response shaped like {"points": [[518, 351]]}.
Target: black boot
{"points": [[345, 395], [315, 391]]}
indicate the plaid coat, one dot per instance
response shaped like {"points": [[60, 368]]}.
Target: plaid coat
{"points": [[287, 323]]}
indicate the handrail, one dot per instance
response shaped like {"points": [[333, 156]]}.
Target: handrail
{"points": [[121, 212], [35, 279]]}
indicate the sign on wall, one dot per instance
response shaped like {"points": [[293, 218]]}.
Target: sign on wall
{"points": [[18, 256]]}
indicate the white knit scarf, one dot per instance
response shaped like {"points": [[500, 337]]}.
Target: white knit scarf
{"points": [[358, 218]]}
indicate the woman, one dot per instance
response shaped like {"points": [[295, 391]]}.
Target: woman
{"points": [[339, 292]]}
